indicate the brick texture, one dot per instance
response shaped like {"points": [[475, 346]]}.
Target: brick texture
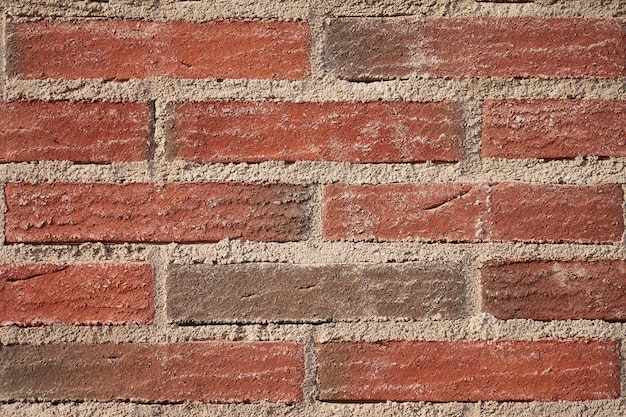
{"points": [[363, 49], [570, 370], [125, 49], [223, 372], [473, 212], [79, 131], [36, 294], [225, 131], [553, 129], [303, 293], [432, 212], [555, 213], [72, 213], [555, 290]]}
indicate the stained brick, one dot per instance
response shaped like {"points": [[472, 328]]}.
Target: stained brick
{"points": [[312, 293], [555, 290], [217, 371], [366, 49], [174, 212]]}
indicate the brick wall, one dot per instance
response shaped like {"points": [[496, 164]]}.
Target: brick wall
{"points": [[316, 208]]}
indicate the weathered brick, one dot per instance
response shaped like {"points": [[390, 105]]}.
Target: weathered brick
{"points": [[432, 212], [384, 48], [125, 49], [174, 212], [35, 294], [454, 212], [94, 132], [553, 129], [312, 293], [239, 131], [555, 213], [555, 290], [216, 371], [547, 370]]}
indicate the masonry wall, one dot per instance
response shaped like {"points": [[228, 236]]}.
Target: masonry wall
{"points": [[322, 208]]}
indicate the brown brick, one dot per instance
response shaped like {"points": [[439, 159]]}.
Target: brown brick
{"points": [[35, 294], [547, 370], [216, 371], [125, 49], [75, 131], [432, 212], [553, 129], [226, 131], [385, 48], [175, 212], [308, 293], [555, 290], [555, 213]]}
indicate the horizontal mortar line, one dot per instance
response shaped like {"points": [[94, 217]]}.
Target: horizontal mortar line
{"points": [[316, 408], [305, 408], [180, 11], [323, 90], [302, 253], [480, 327], [580, 171], [202, 11], [608, 408], [153, 333]]}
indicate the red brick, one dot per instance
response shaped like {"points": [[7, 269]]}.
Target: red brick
{"points": [[385, 48], [124, 49], [454, 212], [34, 294], [79, 132], [216, 371], [553, 129], [432, 212], [548, 370], [174, 212], [224, 131], [555, 213], [555, 290]]}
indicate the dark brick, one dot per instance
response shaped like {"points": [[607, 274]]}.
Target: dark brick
{"points": [[295, 293]]}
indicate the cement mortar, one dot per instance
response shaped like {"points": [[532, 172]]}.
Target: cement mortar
{"points": [[470, 93]]}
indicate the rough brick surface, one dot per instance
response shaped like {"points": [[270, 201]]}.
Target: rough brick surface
{"points": [[225, 372], [553, 128], [121, 49], [352, 132], [473, 212], [553, 290], [432, 212], [175, 212], [35, 294], [297, 293], [385, 48], [555, 213], [571, 370], [79, 131]]}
